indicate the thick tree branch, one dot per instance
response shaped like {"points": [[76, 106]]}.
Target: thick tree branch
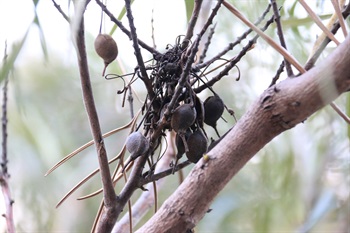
{"points": [[109, 195], [279, 108]]}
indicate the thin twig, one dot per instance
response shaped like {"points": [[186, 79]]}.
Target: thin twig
{"points": [[211, 17], [165, 173], [279, 71], [138, 55], [207, 43], [58, 7], [4, 175], [280, 35]]}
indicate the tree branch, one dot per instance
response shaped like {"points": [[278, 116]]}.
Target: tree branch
{"points": [[279, 108], [4, 175], [109, 195]]}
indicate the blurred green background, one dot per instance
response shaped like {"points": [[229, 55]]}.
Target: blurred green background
{"points": [[298, 183]]}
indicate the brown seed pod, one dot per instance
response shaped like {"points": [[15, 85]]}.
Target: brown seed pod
{"points": [[197, 146], [182, 118], [213, 109], [106, 48], [136, 144]]}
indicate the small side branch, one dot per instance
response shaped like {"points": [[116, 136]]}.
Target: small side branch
{"points": [[58, 7], [233, 62], [280, 35], [137, 50], [233, 44]]}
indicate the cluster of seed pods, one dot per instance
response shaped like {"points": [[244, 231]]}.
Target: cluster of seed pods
{"points": [[189, 114]]}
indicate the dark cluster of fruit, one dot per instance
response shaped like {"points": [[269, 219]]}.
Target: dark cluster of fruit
{"points": [[186, 117], [189, 114]]}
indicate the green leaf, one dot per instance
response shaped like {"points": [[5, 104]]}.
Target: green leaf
{"points": [[189, 4], [8, 65], [120, 16]]}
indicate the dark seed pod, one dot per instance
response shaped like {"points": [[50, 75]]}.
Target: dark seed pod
{"points": [[182, 118], [197, 146], [136, 144], [213, 109], [106, 48]]}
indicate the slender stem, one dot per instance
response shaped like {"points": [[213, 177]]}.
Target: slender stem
{"points": [[109, 195], [192, 23], [279, 71]]}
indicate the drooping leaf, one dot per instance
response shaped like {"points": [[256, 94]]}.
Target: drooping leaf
{"points": [[8, 65]]}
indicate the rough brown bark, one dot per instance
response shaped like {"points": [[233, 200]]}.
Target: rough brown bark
{"points": [[279, 108]]}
